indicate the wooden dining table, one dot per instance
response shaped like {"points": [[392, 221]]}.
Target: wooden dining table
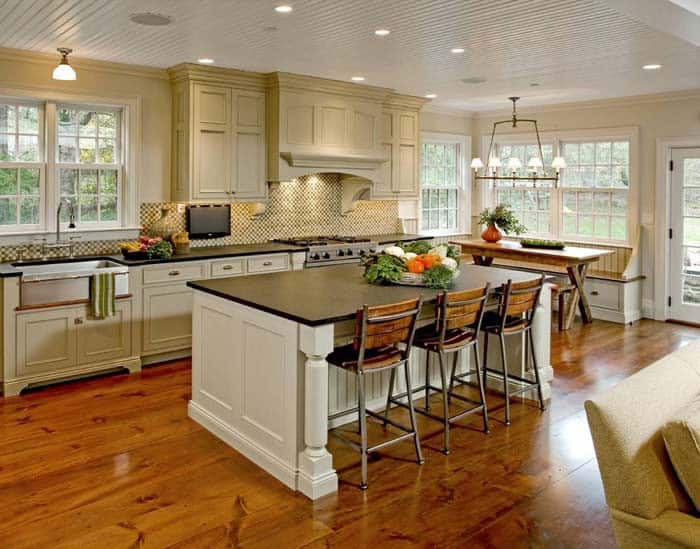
{"points": [[573, 259]]}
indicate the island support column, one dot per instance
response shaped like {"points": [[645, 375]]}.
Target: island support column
{"points": [[316, 474]]}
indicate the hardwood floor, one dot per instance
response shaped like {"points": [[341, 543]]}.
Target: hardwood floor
{"points": [[115, 462]]}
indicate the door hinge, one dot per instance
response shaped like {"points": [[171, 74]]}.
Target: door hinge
{"points": [[670, 165], [669, 301], [670, 233]]}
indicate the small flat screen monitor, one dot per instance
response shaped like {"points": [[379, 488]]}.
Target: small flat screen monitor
{"points": [[209, 221]]}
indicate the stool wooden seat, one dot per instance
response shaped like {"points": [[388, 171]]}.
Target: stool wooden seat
{"points": [[516, 309], [383, 341], [458, 318]]}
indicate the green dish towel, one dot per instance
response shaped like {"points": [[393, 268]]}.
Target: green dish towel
{"points": [[102, 295]]}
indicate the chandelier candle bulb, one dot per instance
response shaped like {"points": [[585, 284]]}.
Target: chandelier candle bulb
{"points": [[558, 163]]}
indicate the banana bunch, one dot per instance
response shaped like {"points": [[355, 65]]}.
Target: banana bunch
{"points": [[130, 246]]}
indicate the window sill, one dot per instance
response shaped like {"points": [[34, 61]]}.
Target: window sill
{"points": [[441, 234], [90, 234]]}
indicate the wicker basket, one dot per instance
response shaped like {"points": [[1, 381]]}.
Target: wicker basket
{"points": [[416, 279]]}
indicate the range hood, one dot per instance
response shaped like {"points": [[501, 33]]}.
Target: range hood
{"points": [[324, 126]]}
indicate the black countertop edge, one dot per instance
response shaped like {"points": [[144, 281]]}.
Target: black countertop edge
{"points": [[271, 310]]}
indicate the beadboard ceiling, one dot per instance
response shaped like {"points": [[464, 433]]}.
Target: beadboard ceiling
{"points": [[571, 50]]}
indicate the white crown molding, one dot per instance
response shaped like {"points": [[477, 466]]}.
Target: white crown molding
{"points": [[78, 63], [217, 75], [626, 101]]}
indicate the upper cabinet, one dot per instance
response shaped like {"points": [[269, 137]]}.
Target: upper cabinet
{"points": [[219, 148], [400, 144]]}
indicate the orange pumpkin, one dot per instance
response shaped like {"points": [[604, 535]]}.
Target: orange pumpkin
{"points": [[416, 266]]}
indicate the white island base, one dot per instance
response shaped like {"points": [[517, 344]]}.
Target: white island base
{"points": [[261, 383]]}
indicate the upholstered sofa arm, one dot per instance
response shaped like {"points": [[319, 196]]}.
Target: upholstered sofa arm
{"points": [[671, 529]]}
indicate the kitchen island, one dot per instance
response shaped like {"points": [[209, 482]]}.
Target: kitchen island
{"points": [[260, 380]]}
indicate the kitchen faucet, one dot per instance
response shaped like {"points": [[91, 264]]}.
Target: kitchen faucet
{"points": [[58, 245]]}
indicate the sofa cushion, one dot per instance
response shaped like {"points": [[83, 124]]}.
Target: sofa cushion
{"points": [[682, 439]]}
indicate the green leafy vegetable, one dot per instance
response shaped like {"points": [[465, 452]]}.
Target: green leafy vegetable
{"points": [[455, 253], [539, 243], [161, 250], [418, 247], [439, 277], [384, 268]]}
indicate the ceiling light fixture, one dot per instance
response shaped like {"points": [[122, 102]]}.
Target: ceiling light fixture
{"points": [[283, 9], [205, 60], [64, 71], [431, 95], [358, 78], [651, 67], [457, 50], [514, 164], [382, 32], [151, 19]]}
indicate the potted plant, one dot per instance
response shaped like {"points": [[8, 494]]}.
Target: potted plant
{"points": [[499, 220]]}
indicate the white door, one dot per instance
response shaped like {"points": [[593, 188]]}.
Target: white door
{"points": [[684, 269]]}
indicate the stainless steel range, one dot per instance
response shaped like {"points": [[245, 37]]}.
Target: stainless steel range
{"points": [[332, 250]]}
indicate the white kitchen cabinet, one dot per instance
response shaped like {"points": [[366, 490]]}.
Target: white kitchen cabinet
{"points": [[167, 318], [219, 147], [400, 175], [46, 340], [105, 339]]}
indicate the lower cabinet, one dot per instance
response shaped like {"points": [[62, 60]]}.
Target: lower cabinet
{"points": [[167, 318], [61, 338]]}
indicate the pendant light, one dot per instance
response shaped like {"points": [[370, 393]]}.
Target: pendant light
{"points": [[63, 70]]}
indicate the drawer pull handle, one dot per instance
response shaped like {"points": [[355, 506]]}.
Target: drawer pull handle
{"points": [[227, 267], [267, 263], [78, 320], [173, 273], [595, 292]]}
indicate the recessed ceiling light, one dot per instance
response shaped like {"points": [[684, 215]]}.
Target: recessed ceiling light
{"points": [[474, 80], [283, 9], [358, 78], [382, 32], [534, 84], [431, 95], [151, 19], [205, 60], [651, 67], [457, 50]]}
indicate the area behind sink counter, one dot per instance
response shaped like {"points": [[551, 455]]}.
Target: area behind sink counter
{"points": [[260, 377]]}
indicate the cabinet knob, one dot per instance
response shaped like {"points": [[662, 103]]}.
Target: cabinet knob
{"points": [[78, 320], [227, 267], [595, 292], [267, 263], [173, 273]]}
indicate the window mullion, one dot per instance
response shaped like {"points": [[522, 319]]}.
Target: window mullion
{"points": [[50, 189]]}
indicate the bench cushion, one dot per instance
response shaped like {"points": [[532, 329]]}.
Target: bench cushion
{"points": [[682, 440]]}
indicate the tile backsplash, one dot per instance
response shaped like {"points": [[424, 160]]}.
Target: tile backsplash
{"points": [[306, 206]]}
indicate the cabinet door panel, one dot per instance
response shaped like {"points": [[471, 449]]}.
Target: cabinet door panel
{"points": [[333, 126], [250, 111], [105, 339], [300, 125], [167, 317], [212, 179], [213, 105], [250, 166], [407, 127], [407, 182], [46, 341], [363, 131], [383, 187]]}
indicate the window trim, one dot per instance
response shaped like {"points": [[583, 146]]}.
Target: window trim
{"points": [[557, 137], [131, 124], [463, 188]]}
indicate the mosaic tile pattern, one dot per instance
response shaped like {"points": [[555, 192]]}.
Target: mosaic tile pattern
{"points": [[305, 206]]}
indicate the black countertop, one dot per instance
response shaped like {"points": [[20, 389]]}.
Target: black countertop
{"points": [[324, 295]]}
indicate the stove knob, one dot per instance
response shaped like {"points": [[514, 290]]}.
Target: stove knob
{"points": [[341, 253], [326, 255], [362, 252], [315, 256], [349, 252], [372, 250]]}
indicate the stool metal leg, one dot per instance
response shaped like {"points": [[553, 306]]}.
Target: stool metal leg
{"points": [[505, 376], [445, 404], [481, 388], [452, 376], [486, 356], [388, 398], [537, 371], [427, 380], [363, 427], [412, 413]]}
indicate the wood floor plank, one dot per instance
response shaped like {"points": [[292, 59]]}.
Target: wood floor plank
{"points": [[115, 462]]}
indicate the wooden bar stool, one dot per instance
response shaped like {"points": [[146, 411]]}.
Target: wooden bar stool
{"points": [[516, 309], [458, 318], [383, 341]]}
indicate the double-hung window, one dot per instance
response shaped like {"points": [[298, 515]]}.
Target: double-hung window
{"points": [[22, 169], [53, 152], [593, 200], [444, 184]]}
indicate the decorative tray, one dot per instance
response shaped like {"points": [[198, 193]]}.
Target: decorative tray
{"points": [[543, 244], [416, 279]]}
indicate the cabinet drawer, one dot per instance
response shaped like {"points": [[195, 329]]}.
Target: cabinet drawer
{"points": [[268, 263], [601, 294], [228, 267], [174, 272]]}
